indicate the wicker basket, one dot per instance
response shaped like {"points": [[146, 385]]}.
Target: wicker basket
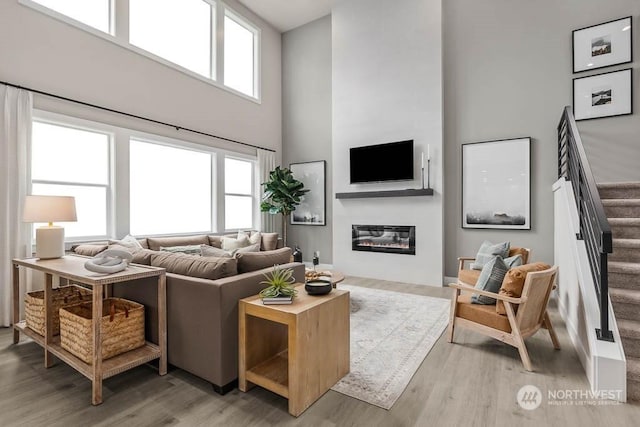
{"points": [[122, 328], [60, 297]]}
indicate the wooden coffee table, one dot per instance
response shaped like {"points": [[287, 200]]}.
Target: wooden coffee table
{"points": [[299, 350]]}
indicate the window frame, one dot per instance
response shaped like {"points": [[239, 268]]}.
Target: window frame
{"points": [[118, 35], [69, 122], [257, 38], [253, 195]]}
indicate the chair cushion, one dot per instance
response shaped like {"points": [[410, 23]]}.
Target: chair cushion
{"points": [[156, 242], [470, 277], [513, 282], [483, 314], [252, 261], [487, 251], [519, 251], [490, 280]]}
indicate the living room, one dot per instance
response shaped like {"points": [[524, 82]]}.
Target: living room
{"points": [[328, 76]]}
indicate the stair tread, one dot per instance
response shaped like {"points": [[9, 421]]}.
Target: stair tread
{"points": [[624, 267], [624, 296], [626, 243], [624, 221], [633, 368], [609, 185], [629, 328], [621, 202]]}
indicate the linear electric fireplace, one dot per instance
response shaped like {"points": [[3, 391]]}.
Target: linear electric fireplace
{"points": [[394, 239]]}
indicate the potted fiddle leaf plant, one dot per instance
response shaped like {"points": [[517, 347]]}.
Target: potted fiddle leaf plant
{"points": [[279, 284], [282, 193]]}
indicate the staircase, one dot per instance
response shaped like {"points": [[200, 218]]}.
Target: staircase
{"points": [[621, 203]]}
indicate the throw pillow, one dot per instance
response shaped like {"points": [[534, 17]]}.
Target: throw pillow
{"points": [[490, 280], [269, 241], [513, 261], [251, 248], [210, 251], [129, 243], [487, 251], [256, 237], [89, 250], [513, 282], [229, 243], [185, 249]]}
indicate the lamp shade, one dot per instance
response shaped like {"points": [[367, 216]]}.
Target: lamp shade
{"points": [[49, 209]]}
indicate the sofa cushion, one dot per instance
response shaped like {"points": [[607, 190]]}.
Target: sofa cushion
{"points": [[186, 249], [202, 267], [269, 241], [156, 242], [215, 241], [513, 282], [251, 261], [89, 250], [519, 251], [490, 280], [487, 251], [143, 256], [483, 314]]}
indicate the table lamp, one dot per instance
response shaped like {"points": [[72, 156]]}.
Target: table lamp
{"points": [[50, 238]]}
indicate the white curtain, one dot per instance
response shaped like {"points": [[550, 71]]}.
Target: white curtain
{"points": [[15, 142], [266, 163]]}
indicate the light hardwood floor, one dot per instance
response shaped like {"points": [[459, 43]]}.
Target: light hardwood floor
{"points": [[470, 383]]}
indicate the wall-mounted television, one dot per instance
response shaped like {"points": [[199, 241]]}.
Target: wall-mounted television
{"points": [[383, 162]]}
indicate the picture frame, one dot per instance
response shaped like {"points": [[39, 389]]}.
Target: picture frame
{"points": [[603, 45], [496, 184], [603, 95], [312, 210]]}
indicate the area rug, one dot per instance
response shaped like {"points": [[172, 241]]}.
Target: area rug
{"points": [[391, 334]]}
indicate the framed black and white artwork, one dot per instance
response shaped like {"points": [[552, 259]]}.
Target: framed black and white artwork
{"points": [[602, 45], [312, 209], [603, 95], [496, 184]]}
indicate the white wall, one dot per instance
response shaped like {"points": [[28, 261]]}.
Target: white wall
{"points": [[43, 53], [387, 86]]}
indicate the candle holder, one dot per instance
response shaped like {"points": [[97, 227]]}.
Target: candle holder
{"points": [[422, 180], [428, 174]]}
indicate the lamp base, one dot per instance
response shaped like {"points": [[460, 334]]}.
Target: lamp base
{"points": [[49, 242]]}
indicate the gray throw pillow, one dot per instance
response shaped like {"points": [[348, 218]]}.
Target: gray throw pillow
{"points": [[210, 251], [487, 251], [185, 249], [513, 261], [490, 280]]}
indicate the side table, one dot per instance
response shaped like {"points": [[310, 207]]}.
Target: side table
{"points": [[72, 268], [298, 351]]}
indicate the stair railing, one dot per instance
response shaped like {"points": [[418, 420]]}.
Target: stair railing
{"points": [[594, 227]]}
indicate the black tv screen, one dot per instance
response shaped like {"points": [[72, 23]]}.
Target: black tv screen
{"points": [[382, 162]]}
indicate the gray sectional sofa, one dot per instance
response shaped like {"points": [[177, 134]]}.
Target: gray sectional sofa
{"points": [[202, 301]]}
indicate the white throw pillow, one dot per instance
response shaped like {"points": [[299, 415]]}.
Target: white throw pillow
{"points": [[129, 243], [230, 244]]}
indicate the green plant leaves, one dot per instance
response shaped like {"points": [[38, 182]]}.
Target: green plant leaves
{"points": [[282, 192], [280, 283]]}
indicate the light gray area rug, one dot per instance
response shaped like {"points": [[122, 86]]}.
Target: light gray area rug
{"points": [[391, 334]]}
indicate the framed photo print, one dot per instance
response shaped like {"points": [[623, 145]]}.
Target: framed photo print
{"points": [[602, 45], [496, 184], [312, 209], [603, 95]]}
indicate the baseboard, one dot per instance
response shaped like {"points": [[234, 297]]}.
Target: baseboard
{"points": [[448, 279], [222, 390]]}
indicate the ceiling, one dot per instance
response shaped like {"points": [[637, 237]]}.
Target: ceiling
{"points": [[286, 15]]}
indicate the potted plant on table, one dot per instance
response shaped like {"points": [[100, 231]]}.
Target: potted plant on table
{"points": [[280, 289], [282, 193]]}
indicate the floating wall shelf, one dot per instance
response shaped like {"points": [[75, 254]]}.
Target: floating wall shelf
{"points": [[411, 192]]}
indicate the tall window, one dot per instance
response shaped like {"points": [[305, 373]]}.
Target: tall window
{"points": [[240, 50], [95, 13], [238, 197], [169, 189], [181, 31], [67, 161]]}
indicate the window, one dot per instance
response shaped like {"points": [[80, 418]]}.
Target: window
{"points": [[180, 31], [238, 197], [68, 161], [169, 189], [95, 13], [240, 40]]}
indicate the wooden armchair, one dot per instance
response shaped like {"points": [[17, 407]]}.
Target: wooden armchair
{"points": [[470, 277], [513, 328]]}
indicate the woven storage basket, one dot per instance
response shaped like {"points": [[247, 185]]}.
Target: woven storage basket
{"points": [[122, 328], [60, 297]]}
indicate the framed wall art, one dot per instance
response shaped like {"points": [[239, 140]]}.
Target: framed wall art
{"points": [[603, 95], [602, 45], [313, 207], [496, 184]]}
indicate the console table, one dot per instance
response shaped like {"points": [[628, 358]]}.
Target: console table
{"points": [[72, 268], [299, 350]]}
